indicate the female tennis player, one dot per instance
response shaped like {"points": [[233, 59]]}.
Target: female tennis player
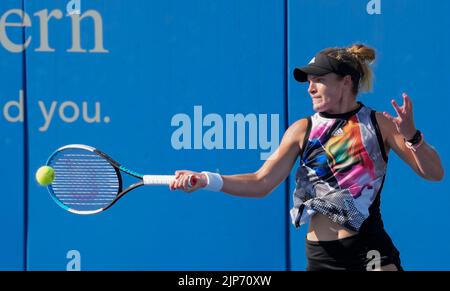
{"points": [[343, 150]]}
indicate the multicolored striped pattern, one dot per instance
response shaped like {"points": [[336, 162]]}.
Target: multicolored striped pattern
{"points": [[342, 168]]}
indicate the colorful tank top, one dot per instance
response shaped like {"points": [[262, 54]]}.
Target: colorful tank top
{"points": [[342, 168]]}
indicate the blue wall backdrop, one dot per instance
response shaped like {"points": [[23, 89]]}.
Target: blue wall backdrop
{"points": [[162, 62], [167, 85], [12, 147]]}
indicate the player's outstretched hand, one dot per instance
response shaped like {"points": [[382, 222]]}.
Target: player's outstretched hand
{"points": [[182, 178]]}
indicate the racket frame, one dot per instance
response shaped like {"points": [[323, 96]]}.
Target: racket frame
{"points": [[117, 168]]}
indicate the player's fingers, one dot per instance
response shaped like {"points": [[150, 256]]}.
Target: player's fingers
{"points": [[405, 104], [391, 118], [201, 180], [186, 183], [173, 184], [178, 173], [190, 182], [396, 107], [388, 116], [194, 182], [183, 182], [179, 182], [176, 181], [408, 102]]}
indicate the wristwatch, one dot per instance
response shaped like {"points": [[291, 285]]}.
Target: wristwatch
{"points": [[415, 141]]}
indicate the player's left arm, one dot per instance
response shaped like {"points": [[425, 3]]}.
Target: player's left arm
{"points": [[425, 160]]}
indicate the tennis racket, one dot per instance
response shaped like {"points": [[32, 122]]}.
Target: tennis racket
{"points": [[88, 181]]}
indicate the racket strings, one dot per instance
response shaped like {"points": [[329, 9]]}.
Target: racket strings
{"points": [[84, 181]]}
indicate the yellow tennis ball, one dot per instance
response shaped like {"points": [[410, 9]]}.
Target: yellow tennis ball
{"points": [[45, 175]]}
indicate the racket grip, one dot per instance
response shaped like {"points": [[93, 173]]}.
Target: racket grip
{"points": [[155, 180]]}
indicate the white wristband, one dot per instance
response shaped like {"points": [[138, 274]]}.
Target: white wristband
{"points": [[215, 181]]}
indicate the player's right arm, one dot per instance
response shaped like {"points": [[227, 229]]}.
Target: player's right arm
{"points": [[266, 179]]}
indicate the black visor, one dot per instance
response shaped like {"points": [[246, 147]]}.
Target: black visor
{"points": [[321, 65]]}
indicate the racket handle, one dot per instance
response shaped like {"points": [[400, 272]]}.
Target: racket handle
{"points": [[150, 180]]}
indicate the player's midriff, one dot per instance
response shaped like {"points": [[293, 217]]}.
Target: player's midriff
{"points": [[321, 228]]}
